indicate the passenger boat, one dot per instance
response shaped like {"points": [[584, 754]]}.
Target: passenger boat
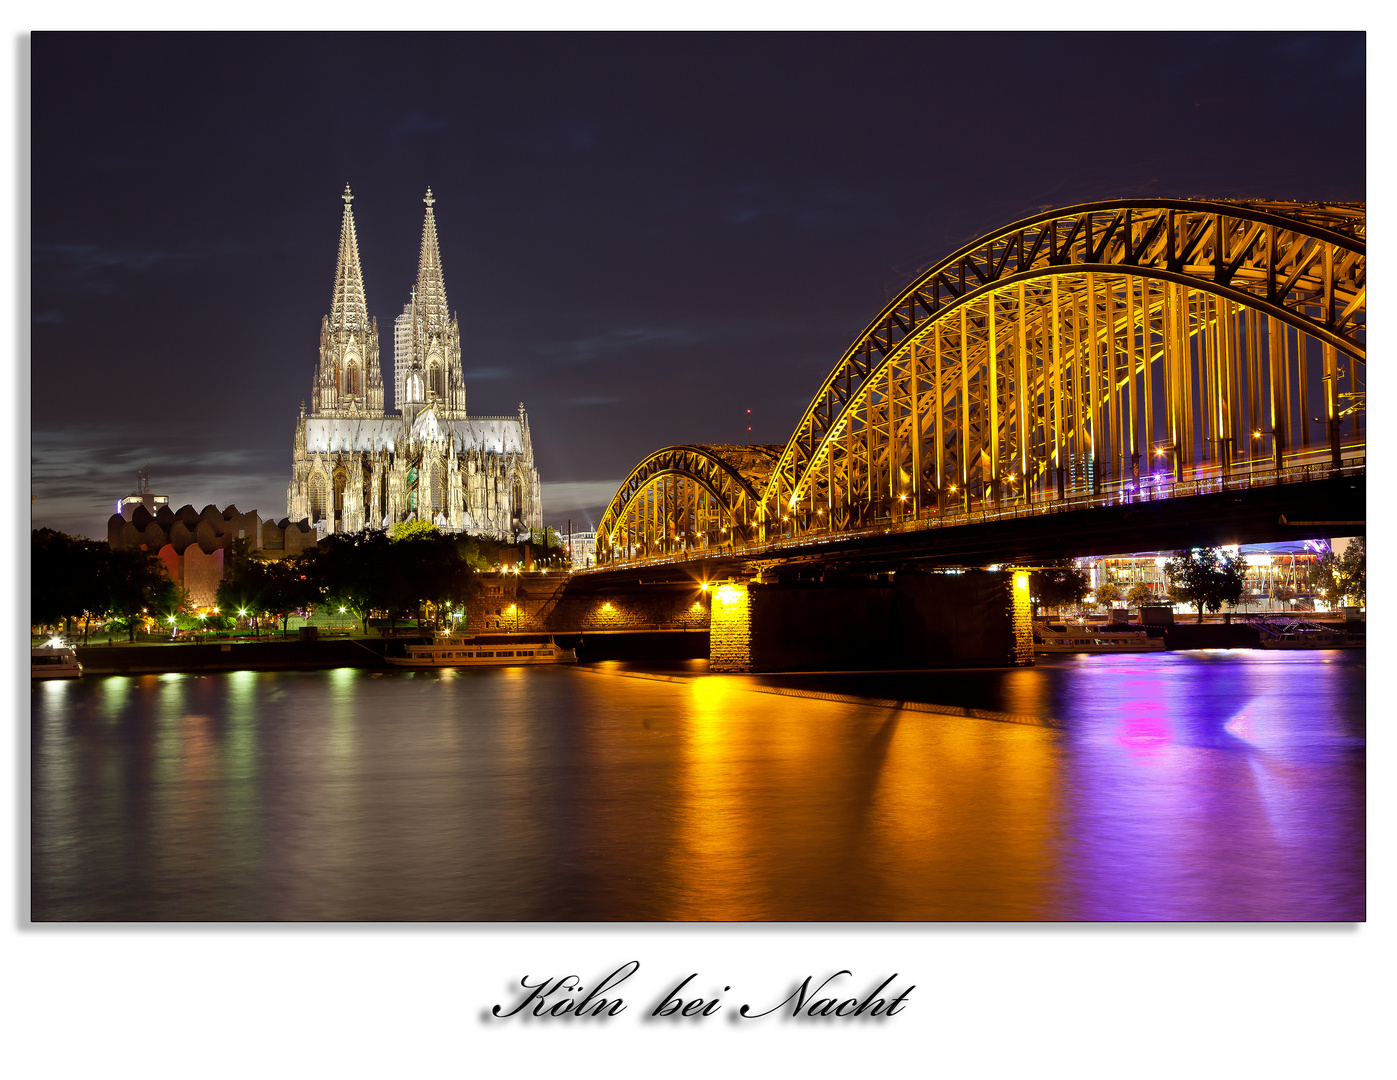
{"points": [[486, 650], [54, 662], [1090, 640]]}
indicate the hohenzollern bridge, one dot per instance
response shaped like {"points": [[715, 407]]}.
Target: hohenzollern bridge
{"points": [[1117, 376]]}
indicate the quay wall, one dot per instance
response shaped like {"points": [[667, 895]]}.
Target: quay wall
{"points": [[235, 656]]}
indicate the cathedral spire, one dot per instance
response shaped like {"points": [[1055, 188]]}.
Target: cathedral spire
{"points": [[349, 310], [430, 294]]}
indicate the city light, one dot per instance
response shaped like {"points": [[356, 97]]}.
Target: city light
{"points": [[1021, 581], [55, 643]]}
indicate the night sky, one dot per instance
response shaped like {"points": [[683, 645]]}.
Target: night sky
{"points": [[644, 235]]}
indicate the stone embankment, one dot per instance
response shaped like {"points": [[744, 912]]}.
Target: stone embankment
{"points": [[235, 656]]}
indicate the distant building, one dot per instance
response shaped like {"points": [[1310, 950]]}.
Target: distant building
{"points": [[195, 545], [402, 353], [584, 550], [142, 496]]}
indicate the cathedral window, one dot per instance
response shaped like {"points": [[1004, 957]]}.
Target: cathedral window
{"points": [[435, 381], [317, 498], [340, 480], [436, 485], [351, 381]]}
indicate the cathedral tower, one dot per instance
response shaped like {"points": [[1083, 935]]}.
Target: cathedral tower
{"points": [[348, 379], [431, 371]]}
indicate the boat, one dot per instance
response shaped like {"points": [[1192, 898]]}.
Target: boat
{"points": [[485, 650], [54, 662], [1093, 640], [1302, 634]]}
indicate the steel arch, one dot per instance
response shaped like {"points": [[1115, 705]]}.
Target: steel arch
{"points": [[1299, 263], [732, 476]]}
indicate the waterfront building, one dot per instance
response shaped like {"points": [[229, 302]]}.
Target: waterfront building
{"points": [[356, 466], [1275, 576]]}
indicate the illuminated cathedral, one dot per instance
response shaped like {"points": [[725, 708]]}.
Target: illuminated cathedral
{"points": [[357, 466]]}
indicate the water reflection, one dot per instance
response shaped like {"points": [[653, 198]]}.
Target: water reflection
{"points": [[1167, 786]]}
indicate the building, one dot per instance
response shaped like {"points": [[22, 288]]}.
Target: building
{"points": [[583, 547], [196, 546], [142, 496], [356, 466], [1275, 576]]}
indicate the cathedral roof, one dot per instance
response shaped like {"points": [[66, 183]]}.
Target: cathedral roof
{"points": [[328, 435], [349, 310]]}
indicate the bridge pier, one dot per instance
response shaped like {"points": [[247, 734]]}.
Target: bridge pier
{"points": [[905, 620]]}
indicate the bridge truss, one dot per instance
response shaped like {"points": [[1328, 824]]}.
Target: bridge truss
{"points": [[1110, 351], [687, 497]]}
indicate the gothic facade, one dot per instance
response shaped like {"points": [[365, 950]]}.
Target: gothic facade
{"points": [[356, 466]]}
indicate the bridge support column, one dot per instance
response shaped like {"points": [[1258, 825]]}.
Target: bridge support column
{"points": [[730, 628]]}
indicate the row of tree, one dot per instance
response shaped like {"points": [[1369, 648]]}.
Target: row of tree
{"points": [[398, 573], [79, 580]]}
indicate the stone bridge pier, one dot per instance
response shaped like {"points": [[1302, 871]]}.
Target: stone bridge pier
{"points": [[907, 620]]}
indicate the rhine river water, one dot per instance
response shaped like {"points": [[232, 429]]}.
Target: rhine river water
{"points": [[1172, 786]]}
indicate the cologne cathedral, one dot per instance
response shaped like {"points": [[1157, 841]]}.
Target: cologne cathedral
{"points": [[357, 466]]}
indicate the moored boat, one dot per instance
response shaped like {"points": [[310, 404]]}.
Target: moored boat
{"points": [[485, 650], [1093, 640], [54, 662]]}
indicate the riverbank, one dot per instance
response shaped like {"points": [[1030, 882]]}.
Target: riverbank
{"points": [[233, 656], [359, 652]]}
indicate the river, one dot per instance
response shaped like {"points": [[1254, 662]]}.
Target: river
{"points": [[1174, 786]]}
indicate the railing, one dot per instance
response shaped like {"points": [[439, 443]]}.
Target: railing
{"points": [[1113, 493]]}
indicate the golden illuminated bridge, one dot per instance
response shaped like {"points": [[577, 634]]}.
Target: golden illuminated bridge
{"points": [[1131, 357]]}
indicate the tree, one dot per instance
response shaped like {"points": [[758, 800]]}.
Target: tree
{"points": [[432, 569], [136, 584], [66, 575], [1353, 572], [411, 530], [1139, 595], [1205, 577], [1107, 593], [1056, 583], [1341, 578]]}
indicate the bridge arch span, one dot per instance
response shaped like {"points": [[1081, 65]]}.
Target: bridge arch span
{"points": [[1081, 350], [692, 497]]}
